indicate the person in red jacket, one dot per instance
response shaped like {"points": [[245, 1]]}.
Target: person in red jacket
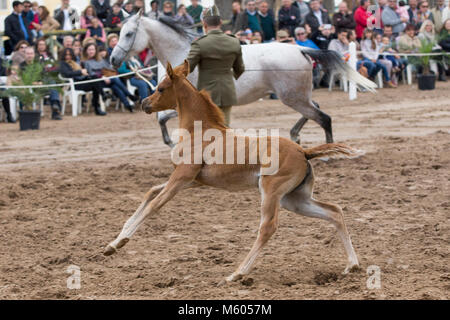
{"points": [[362, 16]]}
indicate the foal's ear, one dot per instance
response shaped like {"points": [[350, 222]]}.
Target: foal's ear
{"points": [[169, 70], [186, 68]]}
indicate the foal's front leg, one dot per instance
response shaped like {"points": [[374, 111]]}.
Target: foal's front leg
{"points": [[180, 179]]}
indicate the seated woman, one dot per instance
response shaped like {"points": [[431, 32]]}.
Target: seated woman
{"points": [[370, 52], [427, 34], [18, 56], [70, 69], [94, 65], [143, 88]]}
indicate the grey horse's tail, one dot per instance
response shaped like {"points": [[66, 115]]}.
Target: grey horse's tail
{"points": [[332, 61]]}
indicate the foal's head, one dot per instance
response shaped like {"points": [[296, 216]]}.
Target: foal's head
{"points": [[164, 97]]}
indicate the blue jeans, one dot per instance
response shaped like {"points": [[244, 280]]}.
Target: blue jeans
{"points": [[120, 90], [143, 88], [374, 67]]}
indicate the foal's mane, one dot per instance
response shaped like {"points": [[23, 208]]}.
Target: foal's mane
{"points": [[214, 112]]}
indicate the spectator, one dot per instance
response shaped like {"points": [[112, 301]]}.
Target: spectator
{"points": [[398, 63], [48, 23], [249, 18], [66, 16], [195, 11], [242, 36], [139, 5], [424, 13], [341, 43], [391, 18], [402, 10], [143, 88], [317, 17], [30, 58], [95, 66], [102, 8], [77, 48], [69, 68], [371, 51], [97, 32], [445, 36], [361, 16], [115, 17], [168, 9], [256, 38], [88, 40], [427, 34], [16, 27], [183, 17], [446, 13], [112, 40], [43, 51], [323, 36], [283, 37], [413, 12], [437, 15], [27, 13], [236, 10], [86, 18], [387, 32], [68, 42], [303, 8], [34, 20], [18, 55], [267, 21], [408, 42], [288, 17], [154, 12], [302, 39], [128, 8], [343, 19], [4, 98]]}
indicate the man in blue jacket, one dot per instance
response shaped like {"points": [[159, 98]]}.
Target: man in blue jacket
{"points": [[16, 26]]}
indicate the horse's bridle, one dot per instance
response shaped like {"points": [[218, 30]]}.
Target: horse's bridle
{"points": [[134, 40]]}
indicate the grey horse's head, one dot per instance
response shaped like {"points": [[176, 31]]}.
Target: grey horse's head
{"points": [[133, 39]]}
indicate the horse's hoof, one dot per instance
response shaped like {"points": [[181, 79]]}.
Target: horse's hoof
{"points": [[122, 242], [109, 250]]}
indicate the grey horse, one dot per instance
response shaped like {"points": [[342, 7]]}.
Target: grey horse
{"points": [[283, 69]]}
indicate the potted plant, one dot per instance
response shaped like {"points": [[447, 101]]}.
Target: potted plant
{"points": [[426, 78], [32, 74]]}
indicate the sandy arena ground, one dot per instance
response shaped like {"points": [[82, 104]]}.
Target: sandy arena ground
{"points": [[67, 189]]}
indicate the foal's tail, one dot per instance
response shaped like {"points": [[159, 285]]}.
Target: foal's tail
{"points": [[332, 61], [333, 151]]}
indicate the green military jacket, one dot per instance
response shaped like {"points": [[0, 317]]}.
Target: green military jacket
{"points": [[219, 58]]}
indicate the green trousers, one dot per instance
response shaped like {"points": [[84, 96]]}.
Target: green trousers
{"points": [[227, 113]]}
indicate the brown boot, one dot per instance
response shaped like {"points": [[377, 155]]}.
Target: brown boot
{"points": [[390, 84]]}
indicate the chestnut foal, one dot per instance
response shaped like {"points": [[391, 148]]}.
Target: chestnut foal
{"points": [[291, 186]]}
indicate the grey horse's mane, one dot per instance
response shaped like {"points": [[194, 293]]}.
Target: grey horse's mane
{"points": [[183, 30]]}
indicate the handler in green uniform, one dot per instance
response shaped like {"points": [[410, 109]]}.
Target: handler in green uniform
{"points": [[219, 58]]}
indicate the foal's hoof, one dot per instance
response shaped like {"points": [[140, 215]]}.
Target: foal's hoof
{"points": [[352, 268], [122, 242], [109, 250]]}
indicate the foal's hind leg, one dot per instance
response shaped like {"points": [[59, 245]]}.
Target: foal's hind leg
{"points": [[300, 201]]}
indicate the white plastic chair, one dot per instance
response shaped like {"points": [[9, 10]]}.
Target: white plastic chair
{"points": [[74, 96], [343, 82]]}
